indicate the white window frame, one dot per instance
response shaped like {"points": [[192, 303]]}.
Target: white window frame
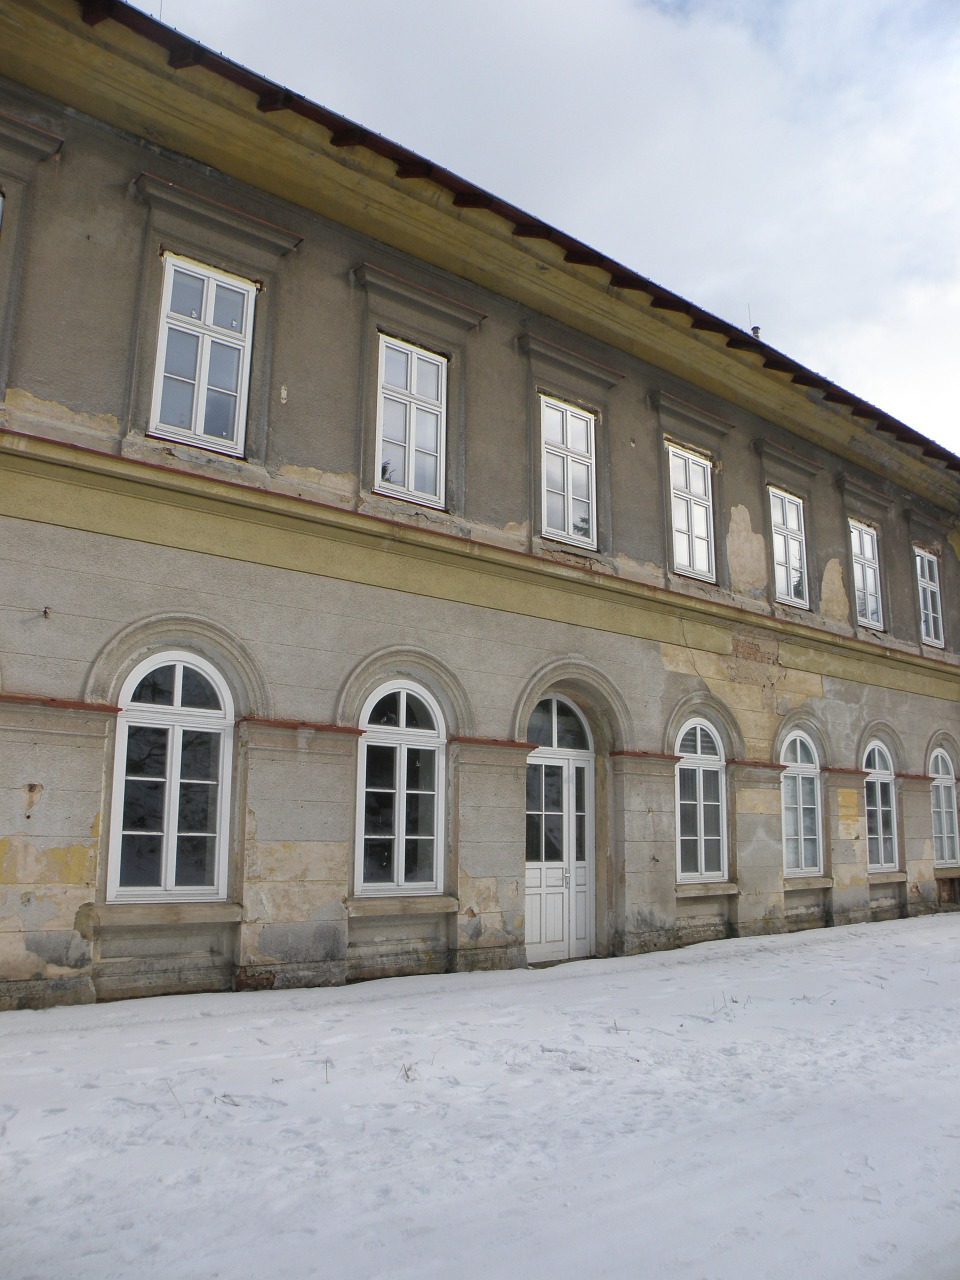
{"points": [[203, 328], [700, 764], [402, 739], [928, 587], [411, 401], [865, 552], [686, 501], [943, 802], [789, 547], [880, 797], [174, 719], [566, 456], [809, 773]]}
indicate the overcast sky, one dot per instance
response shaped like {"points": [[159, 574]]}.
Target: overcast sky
{"points": [[788, 163]]}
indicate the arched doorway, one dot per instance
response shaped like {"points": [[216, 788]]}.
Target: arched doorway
{"points": [[560, 877]]}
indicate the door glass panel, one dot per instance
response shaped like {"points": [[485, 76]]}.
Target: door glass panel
{"points": [[534, 837], [553, 837], [553, 788], [534, 788]]}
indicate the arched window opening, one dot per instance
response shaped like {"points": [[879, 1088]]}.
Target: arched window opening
{"points": [[171, 792], [879, 793], [943, 794], [701, 804], [401, 790], [800, 794]]}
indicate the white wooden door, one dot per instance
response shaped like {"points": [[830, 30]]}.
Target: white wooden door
{"points": [[559, 856]]}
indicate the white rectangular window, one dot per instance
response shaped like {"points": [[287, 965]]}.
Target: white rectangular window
{"points": [[866, 574], [411, 422], [203, 356], [569, 475], [691, 500], [928, 584], [789, 548]]}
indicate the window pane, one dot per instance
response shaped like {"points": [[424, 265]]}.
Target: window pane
{"points": [[378, 813], [428, 379], [418, 715], [176, 404], [534, 787], [792, 853], [811, 854], [689, 854], [143, 801], [540, 728], [428, 430], [377, 861], [421, 770], [570, 731], [156, 687], [534, 837], [581, 518], [555, 513], [578, 433], [380, 767], [553, 464], [420, 815], [552, 788], [200, 756], [711, 820], [552, 424], [698, 478], [186, 297], [712, 856], [688, 785], [418, 861], [553, 837], [224, 366], [711, 786], [181, 356], [396, 367], [689, 825], [196, 858], [140, 862], [197, 691], [228, 308], [146, 751], [425, 479], [681, 515], [220, 415], [394, 420], [678, 471], [581, 846], [198, 808], [393, 463]]}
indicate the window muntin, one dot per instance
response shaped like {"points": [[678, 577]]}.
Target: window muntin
{"points": [[691, 505], [171, 790], [928, 585], [568, 437], [800, 796], [701, 805], [866, 574], [411, 422], [400, 793], [203, 356], [881, 809], [789, 548], [943, 796]]}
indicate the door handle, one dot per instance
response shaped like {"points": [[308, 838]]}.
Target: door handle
{"points": [[566, 879]]}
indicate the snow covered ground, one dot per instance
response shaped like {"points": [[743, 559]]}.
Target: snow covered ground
{"points": [[774, 1108]]}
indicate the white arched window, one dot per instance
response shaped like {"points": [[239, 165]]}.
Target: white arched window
{"points": [[400, 792], [171, 786], [800, 794], [943, 795], [881, 809], [701, 804]]}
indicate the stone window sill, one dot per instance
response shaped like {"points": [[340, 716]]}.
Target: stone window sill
{"points": [[807, 882], [707, 889], [150, 915], [946, 873], [887, 877], [402, 905]]}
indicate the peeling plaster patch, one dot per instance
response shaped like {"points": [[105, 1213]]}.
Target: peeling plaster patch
{"points": [[31, 793], [746, 553], [21, 862], [848, 813], [27, 408], [339, 487], [61, 947], [833, 594]]}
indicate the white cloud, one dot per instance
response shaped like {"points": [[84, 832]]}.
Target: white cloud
{"points": [[797, 157]]}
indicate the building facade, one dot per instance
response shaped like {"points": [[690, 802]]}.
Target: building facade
{"points": [[392, 584]]}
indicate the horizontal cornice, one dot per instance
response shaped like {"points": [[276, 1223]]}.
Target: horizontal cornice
{"points": [[121, 497]]}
